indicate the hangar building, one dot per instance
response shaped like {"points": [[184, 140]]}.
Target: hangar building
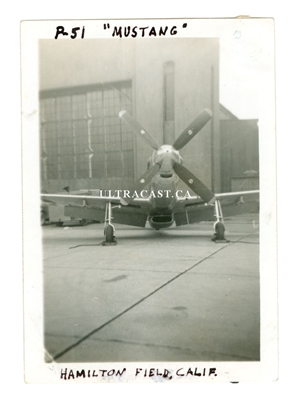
{"points": [[239, 150], [164, 83]]}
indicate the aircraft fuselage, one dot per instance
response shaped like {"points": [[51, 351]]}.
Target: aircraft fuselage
{"points": [[164, 185]]}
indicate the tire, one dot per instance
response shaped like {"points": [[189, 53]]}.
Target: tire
{"points": [[219, 231], [109, 234], [83, 222], [59, 223]]}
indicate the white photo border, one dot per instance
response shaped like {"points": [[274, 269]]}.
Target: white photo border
{"points": [[36, 371]]}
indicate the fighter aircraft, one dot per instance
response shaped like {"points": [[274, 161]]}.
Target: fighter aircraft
{"points": [[155, 196]]}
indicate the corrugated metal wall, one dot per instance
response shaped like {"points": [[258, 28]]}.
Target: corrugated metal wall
{"points": [[239, 154]]}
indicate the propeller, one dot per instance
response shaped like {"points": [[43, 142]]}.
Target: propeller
{"points": [[142, 182], [192, 129], [168, 163], [138, 129], [194, 183]]}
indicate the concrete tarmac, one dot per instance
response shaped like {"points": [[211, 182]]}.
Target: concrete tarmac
{"points": [[168, 295]]}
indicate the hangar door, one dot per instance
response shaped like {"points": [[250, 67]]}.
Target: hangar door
{"points": [[82, 135]]}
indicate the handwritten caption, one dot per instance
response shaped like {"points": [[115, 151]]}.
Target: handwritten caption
{"points": [[121, 31], [161, 374]]}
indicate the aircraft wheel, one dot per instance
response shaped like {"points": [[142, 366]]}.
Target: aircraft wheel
{"points": [[219, 231], [83, 222], [59, 223], [109, 234]]}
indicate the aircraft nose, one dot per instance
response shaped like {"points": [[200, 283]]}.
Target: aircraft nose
{"points": [[166, 170]]}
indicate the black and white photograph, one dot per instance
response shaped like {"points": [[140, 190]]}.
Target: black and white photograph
{"points": [[149, 234]]}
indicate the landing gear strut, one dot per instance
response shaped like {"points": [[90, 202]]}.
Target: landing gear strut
{"points": [[219, 227], [109, 230]]}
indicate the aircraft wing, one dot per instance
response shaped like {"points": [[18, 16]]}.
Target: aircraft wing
{"points": [[89, 205], [233, 197], [193, 209], [79, 199]]}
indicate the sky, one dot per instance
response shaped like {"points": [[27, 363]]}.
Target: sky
{"points": [[238, 82]]}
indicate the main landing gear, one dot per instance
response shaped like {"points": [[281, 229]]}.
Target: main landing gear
{"points": [[109, 230], [219, 227]]}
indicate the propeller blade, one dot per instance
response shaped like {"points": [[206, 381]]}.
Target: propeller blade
{"points": [[191, 130], [194, 183], [141, 183], [138, 129]]}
